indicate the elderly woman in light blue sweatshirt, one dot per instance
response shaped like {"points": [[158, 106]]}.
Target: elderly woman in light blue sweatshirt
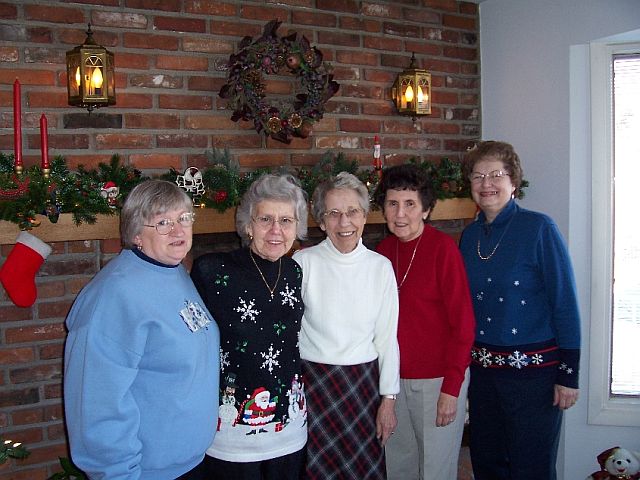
{"points": [[142, 355]]}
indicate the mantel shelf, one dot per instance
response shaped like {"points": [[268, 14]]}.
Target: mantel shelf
{"points": [[208, 221]]}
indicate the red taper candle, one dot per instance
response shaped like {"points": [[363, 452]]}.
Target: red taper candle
{"points": [[44, 142], [17, 126]]}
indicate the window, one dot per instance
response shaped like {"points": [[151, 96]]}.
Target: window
{"points": [[625, 366], [614, 379]]}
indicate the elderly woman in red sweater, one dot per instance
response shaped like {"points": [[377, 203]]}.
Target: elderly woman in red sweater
{"points": [[435, 330]]}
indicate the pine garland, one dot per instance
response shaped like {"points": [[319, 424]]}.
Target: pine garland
{"points": [[10, 449], [23, 197]]}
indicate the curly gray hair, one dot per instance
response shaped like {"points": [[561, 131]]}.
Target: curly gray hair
{"points": [[271, 186]]}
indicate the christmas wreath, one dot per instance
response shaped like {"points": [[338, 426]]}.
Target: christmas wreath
{"points": [[269, 55]]}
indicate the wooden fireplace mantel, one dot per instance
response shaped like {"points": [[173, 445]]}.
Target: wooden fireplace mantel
{"points": [[207, 221]]}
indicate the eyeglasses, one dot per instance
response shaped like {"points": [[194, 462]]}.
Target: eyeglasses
{"points": [[351, 213], [266, 222], [165, 226], [477, 177]]}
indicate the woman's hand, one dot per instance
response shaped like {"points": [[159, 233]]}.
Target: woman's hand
{"points": [[447, 409], [564, 397], [386, 420]]}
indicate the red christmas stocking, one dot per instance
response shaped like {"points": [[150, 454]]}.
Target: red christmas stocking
{"points": [[19, 269]]}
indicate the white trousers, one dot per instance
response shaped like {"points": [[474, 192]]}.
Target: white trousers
{"points": [[418, 450]]}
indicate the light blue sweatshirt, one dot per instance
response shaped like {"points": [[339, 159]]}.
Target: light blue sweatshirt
{"points": [[140, 387]]}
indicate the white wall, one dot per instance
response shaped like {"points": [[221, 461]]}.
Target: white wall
{"points": [[535, 95]]}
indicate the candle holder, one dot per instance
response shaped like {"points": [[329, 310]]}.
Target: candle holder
{"points": [[90, 75], [411, 91]]}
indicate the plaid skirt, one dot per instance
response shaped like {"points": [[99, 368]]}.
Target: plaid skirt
{"points": [[342, 404]]}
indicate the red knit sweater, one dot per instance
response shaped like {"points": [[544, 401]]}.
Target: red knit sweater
{"points": [[436, 327]]}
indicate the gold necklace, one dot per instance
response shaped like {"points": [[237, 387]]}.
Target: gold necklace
{"points": [[497, 244], [271, 290], [413, 255]]}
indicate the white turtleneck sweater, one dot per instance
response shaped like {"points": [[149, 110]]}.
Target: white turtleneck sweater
{"points": [[351, 310]]}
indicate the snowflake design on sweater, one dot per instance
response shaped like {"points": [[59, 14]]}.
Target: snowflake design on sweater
{"points": [[270, 359], [518, 360], [499, 360], [224, 359], [246, 310], [484, 357], [537, 359], [566, 368], [479, 296], [288, 296]]}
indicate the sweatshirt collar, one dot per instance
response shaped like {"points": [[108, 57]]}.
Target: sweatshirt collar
{"points": [[143, 256]]}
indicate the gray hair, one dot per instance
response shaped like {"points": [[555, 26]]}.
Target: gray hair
{"points": [[277, 187], [342, 181], [146, 200]]}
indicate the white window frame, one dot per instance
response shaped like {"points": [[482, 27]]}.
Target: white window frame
{"points": [[604, 409]]}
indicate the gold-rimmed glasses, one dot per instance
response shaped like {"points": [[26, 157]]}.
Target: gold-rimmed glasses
{"points": [[165, 226], [265, 222], [352, 213], [495, 175]]}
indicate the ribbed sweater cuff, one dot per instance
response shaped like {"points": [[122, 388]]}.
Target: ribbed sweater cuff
{"points": [[568, 370]]}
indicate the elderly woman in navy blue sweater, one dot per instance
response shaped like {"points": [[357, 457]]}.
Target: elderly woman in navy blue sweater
{"points": [[524, 372]]}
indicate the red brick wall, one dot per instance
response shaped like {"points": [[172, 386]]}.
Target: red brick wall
{"points": [[170, 62]]}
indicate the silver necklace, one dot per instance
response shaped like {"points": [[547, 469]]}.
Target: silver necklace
{"points": [[497, 244], [271, 290], [413, 255]]}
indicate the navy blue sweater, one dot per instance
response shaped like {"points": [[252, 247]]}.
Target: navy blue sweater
{"points": [[524, 295]]}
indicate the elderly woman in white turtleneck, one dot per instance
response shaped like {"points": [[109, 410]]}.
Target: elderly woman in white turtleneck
{"points": [[348, 340]]}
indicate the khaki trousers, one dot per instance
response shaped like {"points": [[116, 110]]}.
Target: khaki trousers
{"points": [[419, 450]]}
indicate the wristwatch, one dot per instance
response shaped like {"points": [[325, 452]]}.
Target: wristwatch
{"points": [[391, 397]]}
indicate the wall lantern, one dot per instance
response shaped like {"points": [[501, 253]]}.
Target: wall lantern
{"points": [[90, 75], [411, 91]]}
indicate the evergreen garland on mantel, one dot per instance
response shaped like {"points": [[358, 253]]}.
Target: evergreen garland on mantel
{"points": [[82, 193]]}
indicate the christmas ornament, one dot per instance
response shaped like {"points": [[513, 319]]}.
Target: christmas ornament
{"points": [[110, 192], [19, 269], [377, 162], [191, 182], [220, 196]]}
